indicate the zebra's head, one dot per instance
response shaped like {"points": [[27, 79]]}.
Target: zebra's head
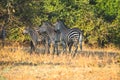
{"points": [[60, 26], [57, 25], [43, 28]]}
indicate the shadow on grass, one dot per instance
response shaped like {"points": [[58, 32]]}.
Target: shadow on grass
{"points": [[100, 54], [2, 63]]}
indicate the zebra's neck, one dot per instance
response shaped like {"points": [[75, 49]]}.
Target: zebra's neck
{"points": [[51, 33], [64, 29]]}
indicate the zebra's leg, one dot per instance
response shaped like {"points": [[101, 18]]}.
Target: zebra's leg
{"points": [[48, 48], [53, 49], [32, 47], [56, 46], [70, 44], [81, 46], [64, 46], [76, 48], [44, 50]]}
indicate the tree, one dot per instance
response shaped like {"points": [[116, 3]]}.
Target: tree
{"points": [[98, 18]]}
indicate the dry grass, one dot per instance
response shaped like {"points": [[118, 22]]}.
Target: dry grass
{"points": [[20, 65]]}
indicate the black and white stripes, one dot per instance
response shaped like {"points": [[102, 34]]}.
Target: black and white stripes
{"points": [[69, 36], [73, 35], [58, 32]]}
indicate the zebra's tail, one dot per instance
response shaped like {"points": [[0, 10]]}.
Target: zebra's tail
{"points": [[80, 40]]}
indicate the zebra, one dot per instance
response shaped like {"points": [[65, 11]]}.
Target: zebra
{"points": [[48, 28], [36, 38], [74, 37], [68, 36]]}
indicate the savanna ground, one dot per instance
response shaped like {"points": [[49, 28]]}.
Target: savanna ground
{"points": [[90, 64]]}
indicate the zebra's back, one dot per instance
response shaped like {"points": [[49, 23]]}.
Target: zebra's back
{"points": [[73, 34]]}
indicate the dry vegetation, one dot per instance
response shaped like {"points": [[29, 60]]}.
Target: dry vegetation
{"points": [[20, 65]]}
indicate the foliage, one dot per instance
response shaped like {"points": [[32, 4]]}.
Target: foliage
{"points": [[98, 18], [108, 9]]}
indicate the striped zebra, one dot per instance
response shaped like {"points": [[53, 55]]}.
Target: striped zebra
{"points": [[74, 37], [36, 39], [48, 28], [69, 37]]}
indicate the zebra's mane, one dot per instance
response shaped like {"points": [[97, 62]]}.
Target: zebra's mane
{"points": [[49, 26], [63, 24], [32, 32]]}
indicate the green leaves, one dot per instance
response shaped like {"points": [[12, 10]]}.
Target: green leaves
{"points": [[15, 34], [98, 18], [108, 9]]}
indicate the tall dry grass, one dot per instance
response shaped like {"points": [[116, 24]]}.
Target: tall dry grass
{"points": [[65, 66]]}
